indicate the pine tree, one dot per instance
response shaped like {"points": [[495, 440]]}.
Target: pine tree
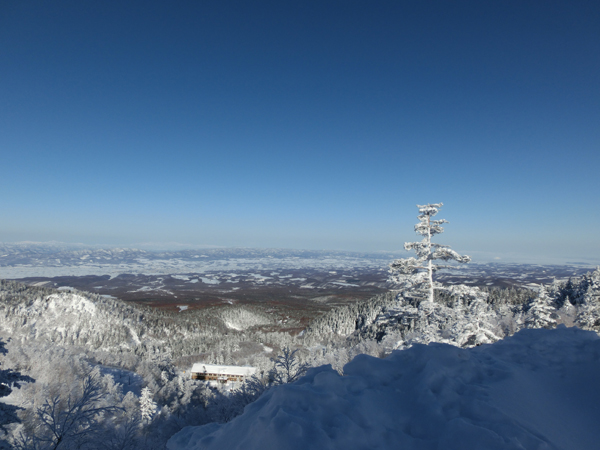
{"points": [[474, 322], [541, 311], [147, 405], [415, 275], [588, 316], [567, 312], [592, 292], [567, 306]]}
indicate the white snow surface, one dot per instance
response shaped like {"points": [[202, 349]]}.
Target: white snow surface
{"points": [[177, 266], [181, 277], [535, 390], [58, 303]]}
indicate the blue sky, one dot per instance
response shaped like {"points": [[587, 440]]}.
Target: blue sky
{"points": [[302, 124]]}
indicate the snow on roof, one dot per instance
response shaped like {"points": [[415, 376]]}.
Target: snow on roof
{"points": [[536, 389], [223, 370]]}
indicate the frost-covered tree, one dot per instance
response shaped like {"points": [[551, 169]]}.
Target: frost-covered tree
{"points": [[287, 368], [74, 421], [480, 322], [588, 316], [9, 378], [541, 312], [416, 274], [147, 405], [567, 312], [567, 306]]}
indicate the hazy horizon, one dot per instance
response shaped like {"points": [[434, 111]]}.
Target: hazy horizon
{"points": [[477, 256]]}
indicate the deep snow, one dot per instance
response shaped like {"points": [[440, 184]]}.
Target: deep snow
{"points": [[538, 389]]}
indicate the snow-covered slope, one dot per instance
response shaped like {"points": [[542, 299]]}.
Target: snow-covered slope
{"points": [[535, 390], [98, 323]]}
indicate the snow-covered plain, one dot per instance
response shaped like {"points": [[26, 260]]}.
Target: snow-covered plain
{"points": [[166, 267], [535, 390], [23, 261]]}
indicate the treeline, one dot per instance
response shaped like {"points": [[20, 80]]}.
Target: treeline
{"points": [[347, 319], [462, 315], [344, 320]]}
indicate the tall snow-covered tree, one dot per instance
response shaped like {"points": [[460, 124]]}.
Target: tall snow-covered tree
{"points": [[416, 274], [147, 405]]}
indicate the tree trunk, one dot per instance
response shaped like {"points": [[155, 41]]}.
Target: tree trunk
{"points": [[429, 263]]}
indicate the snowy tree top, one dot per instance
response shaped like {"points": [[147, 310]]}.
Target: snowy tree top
{"points": [[430, 209], [416, 274]]}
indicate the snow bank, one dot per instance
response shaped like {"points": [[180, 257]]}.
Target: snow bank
{"points": [[535, 390]]}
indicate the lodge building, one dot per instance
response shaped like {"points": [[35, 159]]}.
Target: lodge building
{"points": [[221, 374]]}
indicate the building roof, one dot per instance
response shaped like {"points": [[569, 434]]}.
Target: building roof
{"points": [[223, 370]]}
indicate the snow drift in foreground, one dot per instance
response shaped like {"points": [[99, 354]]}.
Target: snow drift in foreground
{"points": [[535, 390]]}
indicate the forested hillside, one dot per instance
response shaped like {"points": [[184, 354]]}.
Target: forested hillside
{"points": [[464, 316], [130, 361], [88, 352], [106, 324]]}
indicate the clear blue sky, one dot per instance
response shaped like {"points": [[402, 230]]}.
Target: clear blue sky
{"points": [[302, 124]]}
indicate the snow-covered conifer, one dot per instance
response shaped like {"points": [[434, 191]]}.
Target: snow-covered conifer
{"points": [[567, 306], [567, 312], [415, 275], [586, 289], [541, 311], [592, 291], [588, 316], [479, 325], [147, 405]]}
